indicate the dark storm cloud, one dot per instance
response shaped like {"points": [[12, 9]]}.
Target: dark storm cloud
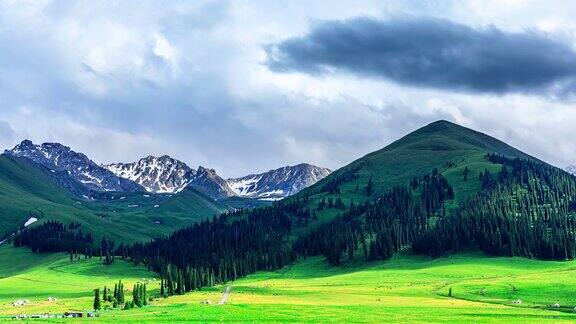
{"points": [[432, 53]]}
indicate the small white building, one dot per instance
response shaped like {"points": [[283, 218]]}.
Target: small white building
{"points": [[20, 302]]}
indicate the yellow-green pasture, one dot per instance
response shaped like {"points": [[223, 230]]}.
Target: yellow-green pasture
{"points": [[404, 289]]}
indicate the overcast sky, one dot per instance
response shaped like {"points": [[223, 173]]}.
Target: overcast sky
{"points": [[247, 86]]}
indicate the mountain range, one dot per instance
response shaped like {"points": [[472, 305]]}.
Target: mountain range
{"points": [[438, 191], [165, 175], [58, 157], [160, 194]]}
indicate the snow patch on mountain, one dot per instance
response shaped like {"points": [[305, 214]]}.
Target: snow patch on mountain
{"points": [[30, 221], [165, 174], [156, 174], [244, 186], [279, 183], [571, 169]]}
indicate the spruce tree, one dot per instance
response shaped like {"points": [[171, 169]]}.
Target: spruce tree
{"points": [[369, 187], [466, 173], [97, 303], [143, 295], [121, 292]]}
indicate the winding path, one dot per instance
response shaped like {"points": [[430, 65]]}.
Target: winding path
{"points": [[225, 296]]}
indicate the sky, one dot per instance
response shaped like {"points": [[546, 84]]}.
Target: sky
{"points": [[249, 86]]}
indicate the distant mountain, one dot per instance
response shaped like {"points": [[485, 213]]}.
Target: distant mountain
{"points": [[156, 174], [60, 158], [164, 174], [279, 183], [210, 183], [167, 175], [571, 169]]}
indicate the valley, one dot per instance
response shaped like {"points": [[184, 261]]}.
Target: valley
{"points": [[405, 288], [374, 241], [287, 162]]}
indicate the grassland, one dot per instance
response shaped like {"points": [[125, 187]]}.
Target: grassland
{"points": [[407, 288]]}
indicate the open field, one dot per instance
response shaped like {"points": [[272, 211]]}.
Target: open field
{"points": [[406, 288]]}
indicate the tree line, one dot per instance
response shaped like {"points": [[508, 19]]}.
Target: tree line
{"points": [[380, 228], [116, 298], [526, 209], [54, 236]]}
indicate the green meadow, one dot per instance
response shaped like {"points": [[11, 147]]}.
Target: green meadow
{"points": [[406, 288], [466, 287]]}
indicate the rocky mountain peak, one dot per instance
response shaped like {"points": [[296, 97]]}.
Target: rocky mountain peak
{"points": [[58, 157], [162, 174], [279, 183]]}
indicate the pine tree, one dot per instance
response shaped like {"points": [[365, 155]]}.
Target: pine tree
{"points": [[466, 173], [136, 295], [121, 292], [97, 303], [369, 187], [144, 297]]}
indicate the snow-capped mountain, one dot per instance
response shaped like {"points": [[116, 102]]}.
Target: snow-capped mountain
{"points": [[571, 169], [279, 183], [164, 174], [156, 174], [58, 158], [168, 175]]}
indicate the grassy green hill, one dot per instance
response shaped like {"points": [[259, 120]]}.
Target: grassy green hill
{"points": [[28, 190], [441, 145], [404, 289]]}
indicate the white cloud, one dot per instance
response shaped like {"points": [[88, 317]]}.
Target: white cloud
{"points": [[121, 79]]}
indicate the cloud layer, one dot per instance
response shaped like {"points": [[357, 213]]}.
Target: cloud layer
{"points": [[432, 53], [119, 80]]}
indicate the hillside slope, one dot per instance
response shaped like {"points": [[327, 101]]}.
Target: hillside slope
{"points": [[441, 145], [31, 190]]}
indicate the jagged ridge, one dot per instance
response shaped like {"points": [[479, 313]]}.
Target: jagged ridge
{"points": [[58, 157]]}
